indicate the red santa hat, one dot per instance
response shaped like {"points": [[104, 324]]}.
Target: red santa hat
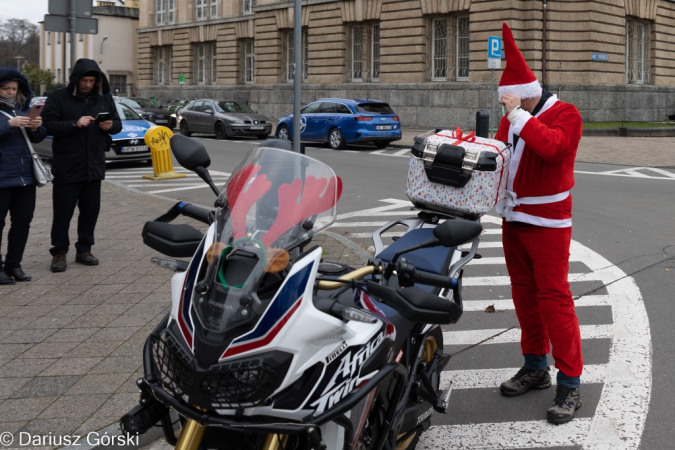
{"points": [[517, 77]]}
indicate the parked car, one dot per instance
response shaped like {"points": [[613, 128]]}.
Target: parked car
{"points": [[127, 145], [340, 122], [224, 118], [149, 111]]}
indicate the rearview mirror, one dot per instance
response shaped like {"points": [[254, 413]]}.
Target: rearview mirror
{"points": [[208, 111], [189, 153], [455, 232]]}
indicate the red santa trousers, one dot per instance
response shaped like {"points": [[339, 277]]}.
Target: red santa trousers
{"points": [[537, 259]]}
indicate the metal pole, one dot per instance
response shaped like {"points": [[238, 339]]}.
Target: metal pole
{"points": [[71, 13], [297, 73], [492, 100]]}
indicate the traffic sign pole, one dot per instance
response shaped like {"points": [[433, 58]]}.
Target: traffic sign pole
{"points": [[494, 62]]}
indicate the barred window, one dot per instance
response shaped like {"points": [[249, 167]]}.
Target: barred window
{"points": [[164, 12], [49, 38], [163, 65], [363, 63], [118, 84], [638, 51], [206, 63], [206, 9], [449, 44], [249, 61], [290, 55], [247, 6], [81, 37]]}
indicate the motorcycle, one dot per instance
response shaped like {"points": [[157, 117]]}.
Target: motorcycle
{"points": [[267, 346]]}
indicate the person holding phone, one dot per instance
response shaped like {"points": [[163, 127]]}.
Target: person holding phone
{"points": [[78, 157], [17, 182]]}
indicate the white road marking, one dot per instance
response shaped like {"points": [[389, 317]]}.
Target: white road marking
{"points": [[508, 336], [635, 172], [507, 304]]}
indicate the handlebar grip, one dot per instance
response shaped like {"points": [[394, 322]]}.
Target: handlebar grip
{"points": [[432, 279], [195, 212]]}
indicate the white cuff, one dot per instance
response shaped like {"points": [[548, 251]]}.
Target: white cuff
{"points": [[515, 114]]}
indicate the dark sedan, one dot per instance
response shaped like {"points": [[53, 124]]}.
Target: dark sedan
{"points": [[224, 118], [149, 111]]}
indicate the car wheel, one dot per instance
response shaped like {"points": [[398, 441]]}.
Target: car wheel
{"points": [[184, 130], [336, 140], [382, 144], [262, 136], [220, 131], [283, 133]]}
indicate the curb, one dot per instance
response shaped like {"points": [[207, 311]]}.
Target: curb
{"points": [[363, 255]]}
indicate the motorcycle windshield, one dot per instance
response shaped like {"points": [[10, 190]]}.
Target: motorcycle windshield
{"points": [[274, 201]]}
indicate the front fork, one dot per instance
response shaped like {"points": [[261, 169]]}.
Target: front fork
{"points": [[193, 433]]}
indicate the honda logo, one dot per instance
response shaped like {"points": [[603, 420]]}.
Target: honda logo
{"points": [[133, 142]]}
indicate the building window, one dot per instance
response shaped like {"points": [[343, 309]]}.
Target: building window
{"points": [[249, 61], [290, 55], [164, 11], [638, 51], [162, 67], [80, 38], [68, 38], [206, 9], [49, 38], [206, 63], [58, 76], [118, 84], [450, 49], [247, 6], [58, 38], [363, 63], [375, 53]]}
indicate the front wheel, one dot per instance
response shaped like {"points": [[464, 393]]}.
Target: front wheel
{"points": [[220, 131], [283, 133], [184, 130], [336, 140]]}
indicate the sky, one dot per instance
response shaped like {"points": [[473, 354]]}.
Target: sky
{"points": [[32, 10]]}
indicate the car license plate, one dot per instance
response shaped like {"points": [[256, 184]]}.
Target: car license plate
{"points": [[384, 127], [135, 149], [161, 121], [257, 128]]}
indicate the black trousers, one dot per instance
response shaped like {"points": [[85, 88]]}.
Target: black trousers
{"points": [[20, 203], [86, 195]]}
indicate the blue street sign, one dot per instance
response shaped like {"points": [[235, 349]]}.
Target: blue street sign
{"points": [[494, 47], [599, 56]]}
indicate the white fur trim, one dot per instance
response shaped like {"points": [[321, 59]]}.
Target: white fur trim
{"points": [[528, 90]]}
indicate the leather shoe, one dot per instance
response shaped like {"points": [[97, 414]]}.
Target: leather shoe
{"points": [[18, 274], [86, 258], [6, 279], [59, 263]]}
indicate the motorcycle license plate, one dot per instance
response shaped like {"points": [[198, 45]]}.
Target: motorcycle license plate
{"points": [[257, 128], [135, 149], [384, 127]]}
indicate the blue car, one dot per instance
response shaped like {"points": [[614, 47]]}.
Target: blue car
{"points": [[339, 122], [127, 146]]}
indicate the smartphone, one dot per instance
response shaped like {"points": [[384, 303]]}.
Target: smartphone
{"points": [[102, 117], [35, 111]]}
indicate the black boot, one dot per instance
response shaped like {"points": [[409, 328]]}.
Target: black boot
{"points": [[6, 279], [18, 274]]}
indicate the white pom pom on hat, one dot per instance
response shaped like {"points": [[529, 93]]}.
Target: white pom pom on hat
{"points": [[517, 77]]}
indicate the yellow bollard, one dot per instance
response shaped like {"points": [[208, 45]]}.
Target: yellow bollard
{"points": [[157, 138]]}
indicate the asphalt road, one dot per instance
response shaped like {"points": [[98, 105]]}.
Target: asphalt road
{"points": [[622, 272]]}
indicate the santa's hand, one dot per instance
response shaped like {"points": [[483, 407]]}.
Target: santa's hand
{"points": [[510, 102]]}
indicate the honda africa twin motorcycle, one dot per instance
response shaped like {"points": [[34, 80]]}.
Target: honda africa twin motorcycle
{"points": [[265, 348]]}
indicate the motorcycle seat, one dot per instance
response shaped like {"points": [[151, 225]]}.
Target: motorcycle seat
{"points": [[435, 260]]}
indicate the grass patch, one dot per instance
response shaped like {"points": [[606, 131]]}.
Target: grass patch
{"points": [[612, 125]]}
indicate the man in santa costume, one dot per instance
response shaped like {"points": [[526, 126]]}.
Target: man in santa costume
{"points": [[537, 230]]}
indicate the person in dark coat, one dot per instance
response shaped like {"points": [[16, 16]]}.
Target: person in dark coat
{"points": [[17, 183], [78, 152]]}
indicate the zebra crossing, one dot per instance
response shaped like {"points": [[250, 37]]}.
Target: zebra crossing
{"points": [[133, 178], [622, 381]]}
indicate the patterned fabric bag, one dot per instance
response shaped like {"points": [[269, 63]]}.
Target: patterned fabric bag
{"points": [[457, 174]]}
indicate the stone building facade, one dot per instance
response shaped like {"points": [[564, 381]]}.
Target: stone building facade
{"points": [[614, 59]]}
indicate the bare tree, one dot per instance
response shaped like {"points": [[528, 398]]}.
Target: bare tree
{"points": [[18, 37]]}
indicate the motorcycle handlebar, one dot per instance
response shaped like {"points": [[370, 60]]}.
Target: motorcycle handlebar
{"points": [[356, 274], [195, 212], [433, 279]]}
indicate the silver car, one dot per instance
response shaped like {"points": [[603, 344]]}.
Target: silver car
{"points": [[224, 118]]}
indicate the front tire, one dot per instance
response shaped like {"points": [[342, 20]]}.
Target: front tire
{"points": [[284, 133], [336, 140], [220, 131], [184, 129]]}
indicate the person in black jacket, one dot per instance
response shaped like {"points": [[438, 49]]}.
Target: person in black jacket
{"points": [[78, 153], [17, 183]]}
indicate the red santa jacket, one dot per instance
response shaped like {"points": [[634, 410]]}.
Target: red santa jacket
{"points": [[541, 171]]}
